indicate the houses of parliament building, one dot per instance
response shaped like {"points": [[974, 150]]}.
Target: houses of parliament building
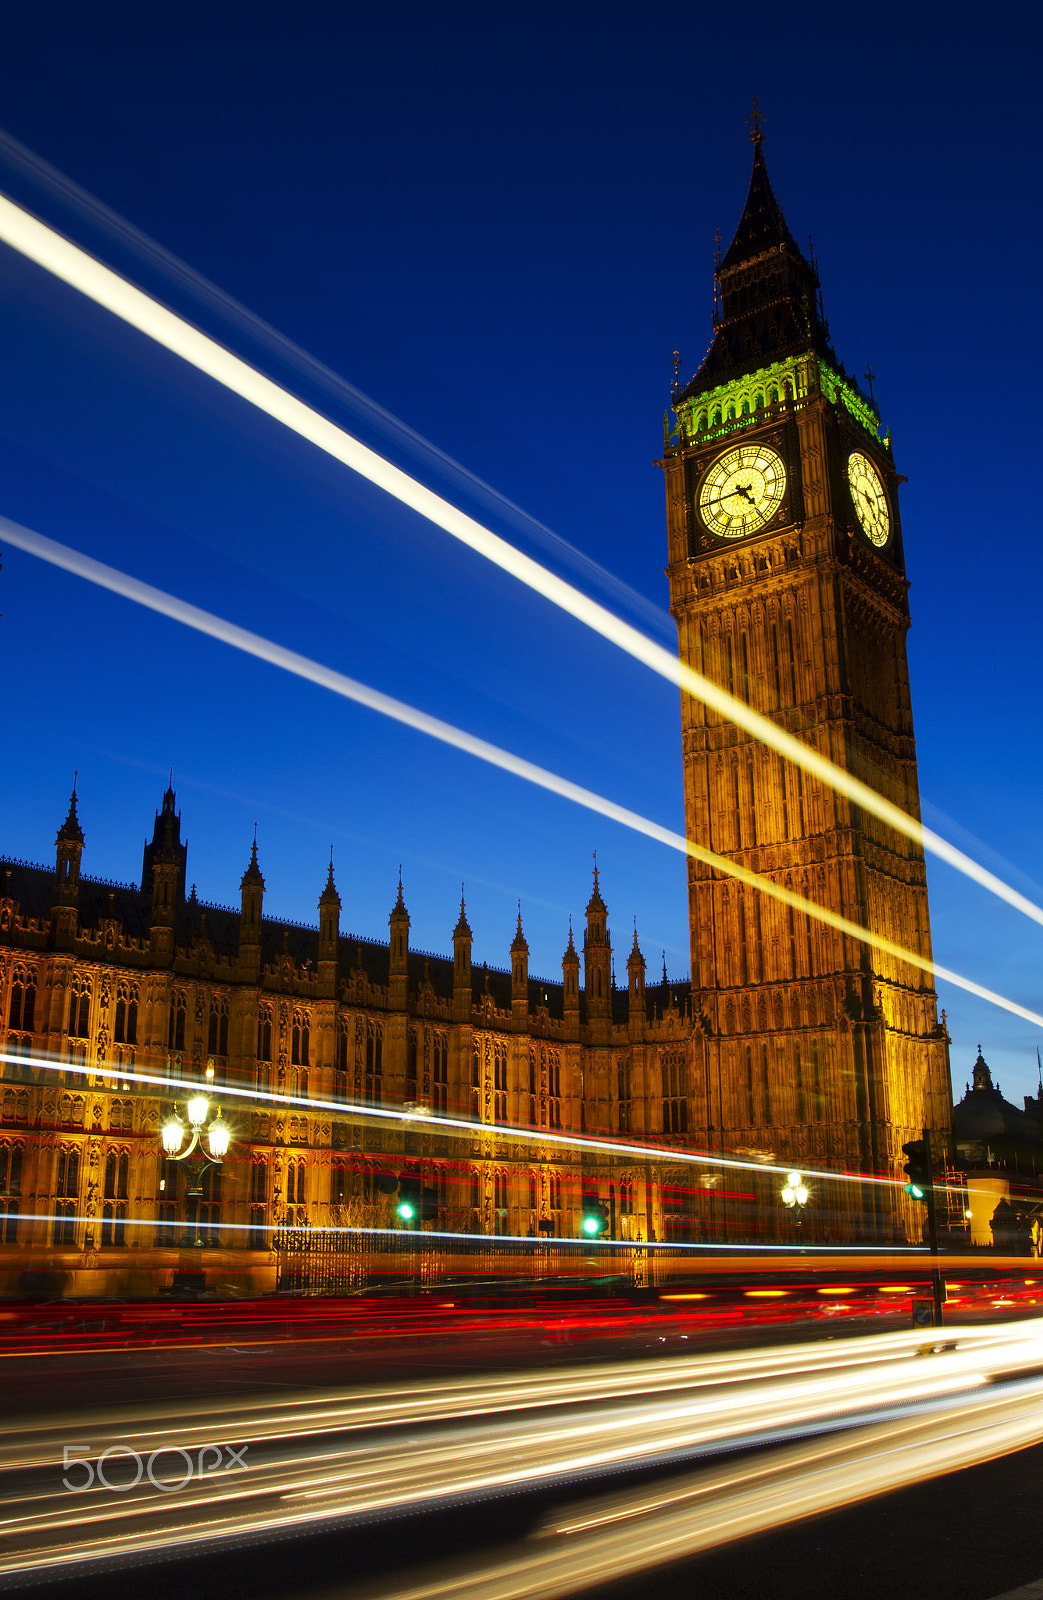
{"points": [[792, 1045]]}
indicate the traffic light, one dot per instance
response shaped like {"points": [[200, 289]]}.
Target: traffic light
{"points": [[918, 1169], [594, 1221], [410, 1198]]}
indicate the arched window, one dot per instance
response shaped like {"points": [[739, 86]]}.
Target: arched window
{"points": [[22, 1009], [440, 1075], [114, 1223], [758, 400], [117, 1167], [67, 1174], [296, 1183], [217, 1031], [700, 426], [63, 1231], [773, 395], [178, 1015], [744, 409], [374, 1063], [80, 1007], [411, 1055], [500, 1080], [300, 1039], [125, 1024], [717, 417], [264, 1033], [623, 1089], [675, 1101], [554, 1089], [11, 1168]]}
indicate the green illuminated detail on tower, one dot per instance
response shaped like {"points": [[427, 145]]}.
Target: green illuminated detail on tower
{"points": [[742, 402]]}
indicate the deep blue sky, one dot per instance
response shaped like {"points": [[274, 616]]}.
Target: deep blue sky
{"points": [[500, 227]]}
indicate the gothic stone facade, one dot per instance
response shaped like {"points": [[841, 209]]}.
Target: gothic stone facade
{"points": [[108, 980]]}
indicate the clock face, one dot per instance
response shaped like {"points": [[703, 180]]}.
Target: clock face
{"points": [[742, 491], [867, 492]]}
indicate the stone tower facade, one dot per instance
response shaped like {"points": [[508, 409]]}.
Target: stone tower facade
{"points": [[788, 587]]}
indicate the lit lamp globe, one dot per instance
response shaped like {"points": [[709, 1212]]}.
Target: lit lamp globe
{"points": [[794, 1194], [197, 1108], [173, 1133], [218, 1137]]}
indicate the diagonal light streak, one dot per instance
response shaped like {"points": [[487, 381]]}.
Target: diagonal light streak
{"points": [[145, 594], [182, 1088], [156, 257], [73, 266]]}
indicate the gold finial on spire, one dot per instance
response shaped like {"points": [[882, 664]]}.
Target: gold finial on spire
{"points": [[755, 123]]}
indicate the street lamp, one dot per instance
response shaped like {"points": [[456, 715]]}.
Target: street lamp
{"points": [[218, 1137], [795, 1197]]}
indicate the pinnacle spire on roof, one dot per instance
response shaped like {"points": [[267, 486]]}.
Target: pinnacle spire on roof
{"points": [[635, 957], [768, 303], [463, 927], [329, 896], [762, 225], [252, 878], [595, 903], [571, 953], [399, 907], [519, 946], [70, 830]]}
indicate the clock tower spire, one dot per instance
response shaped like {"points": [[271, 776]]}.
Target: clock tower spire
{"points": [[787, 583]]}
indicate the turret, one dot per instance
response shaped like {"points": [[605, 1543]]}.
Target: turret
{"points": [[163, 876], [597, 957], [251, 890], [329, 934], [520, 977], [398, 972], [636, 975], [462, 966], [570, 986], [68, 850]]}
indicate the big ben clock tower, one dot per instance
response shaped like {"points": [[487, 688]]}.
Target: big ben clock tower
{"points": [[788, 587]]}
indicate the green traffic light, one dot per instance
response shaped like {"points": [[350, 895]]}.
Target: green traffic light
{"points": [[406, 1211], [915, 1190], [591, 1225]]}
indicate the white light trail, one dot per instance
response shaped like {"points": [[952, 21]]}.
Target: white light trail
{"points": [[347, 1456], [253, 644], [73, 266], [181, 1088], [183, 278]]}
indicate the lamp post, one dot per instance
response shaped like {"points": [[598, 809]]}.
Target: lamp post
{"points": [[197, 1160], [795, 1197]]}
